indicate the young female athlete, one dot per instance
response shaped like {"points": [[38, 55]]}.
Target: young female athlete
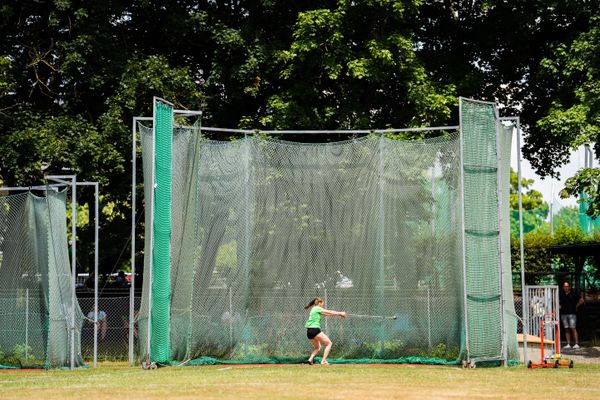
{"points": [[313, 328]]}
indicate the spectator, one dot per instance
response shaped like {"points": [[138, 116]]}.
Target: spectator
{"points": [[570, 301], [102, 322], [121, 281]]}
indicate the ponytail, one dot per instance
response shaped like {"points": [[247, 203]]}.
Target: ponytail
{"points": [[313, 302]]}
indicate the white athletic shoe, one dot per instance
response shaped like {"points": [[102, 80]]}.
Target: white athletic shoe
{"points": [[567, 347], [576, 346]]}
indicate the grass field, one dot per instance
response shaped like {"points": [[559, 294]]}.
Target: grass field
{"points": [[304, 382]]}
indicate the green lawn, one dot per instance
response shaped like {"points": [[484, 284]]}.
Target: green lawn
{"points": [[304, 382]]}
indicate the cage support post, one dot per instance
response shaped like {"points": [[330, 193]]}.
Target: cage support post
{"points": [[26, 324]]}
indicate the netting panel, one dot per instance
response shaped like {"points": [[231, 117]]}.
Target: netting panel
{"points": [[64, 329], [370, 225], [35, 283], [22, 299], [482, 231], [510, 315]]}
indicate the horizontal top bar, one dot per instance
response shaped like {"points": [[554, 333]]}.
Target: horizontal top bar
{"points": [[44, 187], [312, 132], [477, 101], [60, 176], [187, 112], [38, 187], [163, 101]]}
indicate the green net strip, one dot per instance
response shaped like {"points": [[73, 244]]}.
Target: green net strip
{"points": [[302, 360], [482, 240], [160, 347]]}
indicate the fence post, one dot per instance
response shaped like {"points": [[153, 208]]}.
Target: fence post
{"points": [[26, 324]]}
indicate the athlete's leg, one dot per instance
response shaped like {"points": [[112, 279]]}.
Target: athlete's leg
{"points": [[325, 341], [317, 345]]}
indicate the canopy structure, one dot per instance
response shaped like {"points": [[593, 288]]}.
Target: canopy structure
{"points": [[579, 252]]}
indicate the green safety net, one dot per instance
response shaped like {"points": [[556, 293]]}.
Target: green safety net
{"points": [[299, 360], [261, 226], [38, 325], [486, 162], [510, 319], [588, 224], [159, 221]]}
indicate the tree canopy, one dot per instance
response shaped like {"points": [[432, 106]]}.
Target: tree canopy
{"points": [[535, 209], [73, 74]]}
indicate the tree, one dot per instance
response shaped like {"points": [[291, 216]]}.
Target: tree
{"points": [[71, 78], [536, 255], [353, 65], [567, 217], [535, 209], [73, 73], [551, 80], [585, 181], [572, 114]]}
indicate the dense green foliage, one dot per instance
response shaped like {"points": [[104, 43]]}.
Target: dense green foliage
{"points": [[535, 209], [541, 264], [586, 181], [73, 74], [541, 232]]}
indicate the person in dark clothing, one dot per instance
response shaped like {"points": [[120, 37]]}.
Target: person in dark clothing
{"points": [[121, 280], [570, 301]]}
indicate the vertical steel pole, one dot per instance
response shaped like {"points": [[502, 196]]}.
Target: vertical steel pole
{"points": [[73, 264], [132, 287], [247, 233], [96, 239], [499, 196], [133, 205], [434, 236], [151, 262], [524, 296], [26, 324], [557, 315], [429, 319], [230, 317], [464, 249], [381, 235]]}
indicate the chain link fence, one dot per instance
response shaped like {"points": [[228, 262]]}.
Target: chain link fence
{"points": [[113, 328], [518, 300]]}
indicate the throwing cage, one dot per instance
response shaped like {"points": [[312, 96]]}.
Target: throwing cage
{"points": [[240, 235]]}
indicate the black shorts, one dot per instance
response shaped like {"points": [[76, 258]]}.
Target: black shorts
{"points": [[311, 333]]}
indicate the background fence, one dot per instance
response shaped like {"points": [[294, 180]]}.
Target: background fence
{"points": [[113, 328], [114, 345]]}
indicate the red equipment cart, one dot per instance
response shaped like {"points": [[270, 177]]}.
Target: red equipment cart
{"points": [[555, 360]]}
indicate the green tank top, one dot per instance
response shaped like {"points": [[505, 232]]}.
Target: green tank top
{"points": [[314, 319]]}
